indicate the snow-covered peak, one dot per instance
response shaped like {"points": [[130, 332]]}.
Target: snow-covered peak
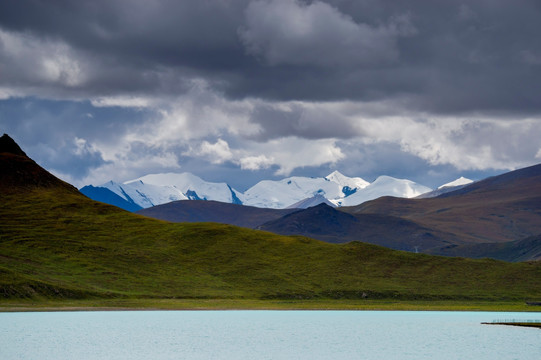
{"points": [[145, 195], [282, 193], [458, 182], [351, 182], [155, 189], [341, 190], [385, 186], [192, 186]]}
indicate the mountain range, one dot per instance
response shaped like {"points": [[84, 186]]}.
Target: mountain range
{"points": [[335, 189], [499, 217], [57, 244]]}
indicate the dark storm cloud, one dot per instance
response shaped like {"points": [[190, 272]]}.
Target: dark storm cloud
{"points": [[301, 121], [442, 56], [287, 32], [131, 46]]}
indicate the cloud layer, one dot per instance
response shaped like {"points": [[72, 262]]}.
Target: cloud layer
{"points": [[268, 88]]}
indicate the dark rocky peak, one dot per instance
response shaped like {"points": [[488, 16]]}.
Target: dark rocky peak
{"points": [[8, 145], [19, 172]]}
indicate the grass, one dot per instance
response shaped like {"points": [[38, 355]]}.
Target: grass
{"points": [[246, 304], [59, 248]]}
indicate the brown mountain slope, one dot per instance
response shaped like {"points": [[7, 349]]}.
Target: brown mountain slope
{"points": [[213, 211], [498, 209], [325, 223]]}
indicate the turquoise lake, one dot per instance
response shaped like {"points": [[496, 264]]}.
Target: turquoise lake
{"points": [[266, 335]]}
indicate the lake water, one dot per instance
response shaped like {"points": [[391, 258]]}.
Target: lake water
{"points": [[266, 335]]}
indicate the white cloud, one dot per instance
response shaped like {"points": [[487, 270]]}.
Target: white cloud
{"points": [[122, 101], [200, 113], [256, 162], [123, 165], [6, 93], [290, 153], [291, 32], [472, 143], [191, 128], [83, 147], [216, 153]]}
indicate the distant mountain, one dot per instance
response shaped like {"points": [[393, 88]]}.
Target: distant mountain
{"points": [[499, 217], [144, 195], [213, 211], [105, 195], [349, 184], [334, 226], [498, 209], [451, 186], [325, 223], [384, 186], [461, 181], [156, 189], [286, 192], [310, 202], [191, 186], [336, 188]]}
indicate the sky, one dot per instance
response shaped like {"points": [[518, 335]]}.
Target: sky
{"points": [[244, 90]]}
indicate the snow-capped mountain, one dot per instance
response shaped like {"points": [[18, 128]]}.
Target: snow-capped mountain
{"points": [[384, 186], [193, 187], [283, 193], [145, 195], [445, 188], [340, 190], [156, 189], [349, 184]]}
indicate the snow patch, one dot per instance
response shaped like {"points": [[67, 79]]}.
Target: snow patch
{"points": [[458, 182]]}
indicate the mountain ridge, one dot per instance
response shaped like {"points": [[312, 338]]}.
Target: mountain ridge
{"points": [[213, 211]]}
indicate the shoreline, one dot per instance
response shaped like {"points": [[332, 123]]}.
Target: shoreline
{"points": [[247, 304]]}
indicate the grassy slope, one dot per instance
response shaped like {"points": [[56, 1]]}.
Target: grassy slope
{"points": [[58, 244]]}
